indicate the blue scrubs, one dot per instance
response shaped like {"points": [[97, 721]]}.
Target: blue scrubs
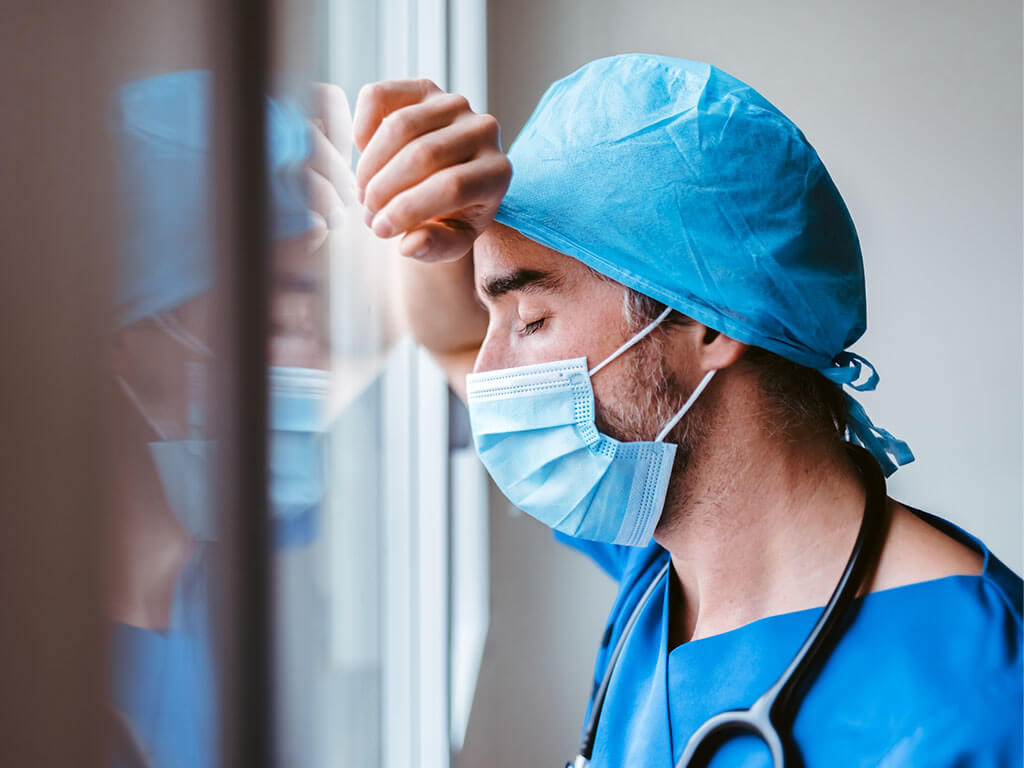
{"points": [[163, 681], [927, 674]]}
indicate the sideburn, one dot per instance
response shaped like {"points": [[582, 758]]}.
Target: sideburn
{"points": [[650, 396]]}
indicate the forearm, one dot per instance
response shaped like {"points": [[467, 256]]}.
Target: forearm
{"points": [[441, 307]]}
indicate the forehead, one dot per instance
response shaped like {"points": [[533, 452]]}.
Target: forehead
{"points": [[501, 250]]}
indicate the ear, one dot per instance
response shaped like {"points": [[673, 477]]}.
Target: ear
{"points": [[714, 349]]}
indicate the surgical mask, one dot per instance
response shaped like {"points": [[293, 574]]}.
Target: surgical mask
{"points": [[298, 422], [183, 465], [534, 429]]}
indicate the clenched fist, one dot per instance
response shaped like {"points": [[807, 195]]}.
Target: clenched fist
{"points": [[430, 169]]}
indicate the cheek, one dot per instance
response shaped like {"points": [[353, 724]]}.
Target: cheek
{"points": [[633, 395]]}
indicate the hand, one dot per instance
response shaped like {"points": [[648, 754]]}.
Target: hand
{"points": [[330, 182], [430, 168]]}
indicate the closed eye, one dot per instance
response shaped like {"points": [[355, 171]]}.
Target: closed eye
{"points": [[533, 327]]}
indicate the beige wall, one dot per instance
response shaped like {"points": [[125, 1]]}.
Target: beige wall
{"points": [[55, 252], [915, 108]]}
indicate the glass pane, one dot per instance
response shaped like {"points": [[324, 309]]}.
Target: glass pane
{"points": [[332, 329], [164, 537]]}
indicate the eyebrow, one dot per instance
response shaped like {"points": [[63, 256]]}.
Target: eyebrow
{"points": [[525, 280], [289, 282]]}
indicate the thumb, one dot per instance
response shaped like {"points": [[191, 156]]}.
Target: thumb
{"points": [[437, 241]]}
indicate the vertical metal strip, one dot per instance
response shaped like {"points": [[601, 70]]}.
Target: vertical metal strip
{"points": [[397, 557], [432, 564], [242, 31], [469, 553], [400, 681], [432, 541]]}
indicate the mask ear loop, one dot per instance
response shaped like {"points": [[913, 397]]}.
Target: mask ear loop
{"points": [[134, 399], [173, 328], [686, 406], [629, 344], [195, 375]]}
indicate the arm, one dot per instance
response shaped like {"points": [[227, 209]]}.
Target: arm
{"points": [[432, 171], [444, 316]]}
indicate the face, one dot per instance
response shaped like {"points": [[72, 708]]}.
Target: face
{"points": [[545, 306], [148, 358], [298, 310]]}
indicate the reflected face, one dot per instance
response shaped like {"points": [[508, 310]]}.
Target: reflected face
{"points": [[298, 308]]}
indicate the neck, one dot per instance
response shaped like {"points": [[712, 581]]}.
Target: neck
{"points": [[758, 526]]}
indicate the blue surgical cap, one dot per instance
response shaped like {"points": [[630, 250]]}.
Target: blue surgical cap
{"points": [[162, 130], [685, 184]]}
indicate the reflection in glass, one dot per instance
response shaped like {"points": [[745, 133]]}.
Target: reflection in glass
{"points": [[333, 326], [164, 537], [331, 330]]}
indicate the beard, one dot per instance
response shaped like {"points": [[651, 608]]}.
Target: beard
{"points": [[646, 398]]}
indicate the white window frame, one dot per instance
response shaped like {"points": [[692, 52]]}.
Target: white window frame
{"points": [[436, 556]]}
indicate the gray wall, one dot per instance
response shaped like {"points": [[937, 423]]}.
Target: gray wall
{"points": [[915, 107]]}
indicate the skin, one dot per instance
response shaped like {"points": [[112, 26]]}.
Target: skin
{"points": [[756, 524]]}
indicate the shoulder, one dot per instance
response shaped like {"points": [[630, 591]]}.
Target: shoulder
{"points": [[917, 549], [945, 606], [930, 670], [921, 548]]}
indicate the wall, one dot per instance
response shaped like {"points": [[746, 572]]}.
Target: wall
{"points": [[915, 107], [55, 246]]}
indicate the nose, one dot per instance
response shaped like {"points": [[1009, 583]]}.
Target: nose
{"points": [[492, 356]]}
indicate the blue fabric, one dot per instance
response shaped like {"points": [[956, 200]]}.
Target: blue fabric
{"points": [[163, 681], [685, 184], [161, 128], [297, 416], [928, 674], [533, 427]]}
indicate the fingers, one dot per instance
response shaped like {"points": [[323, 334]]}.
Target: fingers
{"points": [[329, 162], [430, 167], [377, 100], [331, 110], [437, 241], [404, 125], [428, 154], [468, 193], [323, 199]]}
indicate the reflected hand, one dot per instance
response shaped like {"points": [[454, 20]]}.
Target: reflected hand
{"points": [[329, 178], [431, 168]]}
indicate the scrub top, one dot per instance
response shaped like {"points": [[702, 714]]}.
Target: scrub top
{"points": [[927, 674], [163, 681]]}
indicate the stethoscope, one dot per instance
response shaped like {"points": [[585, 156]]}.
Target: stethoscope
{"points": [[776, 707]]}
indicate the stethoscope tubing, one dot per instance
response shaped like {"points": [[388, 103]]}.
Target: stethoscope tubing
{"points": [[767, 717]]}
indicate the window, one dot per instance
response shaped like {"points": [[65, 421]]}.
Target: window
{"points": [[369, 611]]}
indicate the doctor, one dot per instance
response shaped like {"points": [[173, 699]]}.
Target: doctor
{"points": [[653, 312]]}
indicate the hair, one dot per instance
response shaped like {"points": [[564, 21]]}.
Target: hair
{"points": [[796, 398]]}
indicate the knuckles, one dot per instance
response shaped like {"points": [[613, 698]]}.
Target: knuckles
{"points": [[454, 103], [483, 179], [424, 153], [488, 128], [428, 86], [455, 186]]}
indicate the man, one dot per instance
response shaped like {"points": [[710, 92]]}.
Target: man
{"points": [[654, 318]]}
